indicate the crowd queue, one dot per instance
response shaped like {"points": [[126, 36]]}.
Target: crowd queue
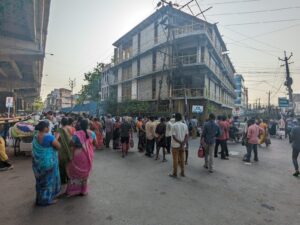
{"points": [[63, 146]]}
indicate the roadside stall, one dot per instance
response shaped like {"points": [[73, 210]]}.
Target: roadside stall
{"points": [[22, 135]]}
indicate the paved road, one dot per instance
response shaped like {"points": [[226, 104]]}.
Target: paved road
{"points": [[137, 191]]}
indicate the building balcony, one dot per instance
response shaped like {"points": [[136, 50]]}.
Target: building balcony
{"points": [[188, 93]]}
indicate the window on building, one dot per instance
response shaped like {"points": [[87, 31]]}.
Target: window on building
{"points": [[154, 88], [138, 67], [154, 60], [126, 91], [116, 55], [139, 42], [156, 32], [127, 50], [187, 56], [202, 54], [127, 72]]}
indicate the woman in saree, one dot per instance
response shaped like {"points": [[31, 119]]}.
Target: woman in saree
{"points": [[65, 135], [140, 125], [4, 162], [116, 133], [45, 165], [80, 166], [96, 126], [264, 135]]}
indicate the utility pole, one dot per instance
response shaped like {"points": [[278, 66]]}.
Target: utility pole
{"points": [[269, 103], [289, 80], [259, 103], [72, 84]]}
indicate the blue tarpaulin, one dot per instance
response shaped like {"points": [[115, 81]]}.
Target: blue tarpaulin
{"points": [[89, 108]]}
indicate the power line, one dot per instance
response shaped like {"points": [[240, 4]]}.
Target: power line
{"points": [[232, 2], [261, 22], [253, 12], [261, 42], [266, 33], [264, 51]]}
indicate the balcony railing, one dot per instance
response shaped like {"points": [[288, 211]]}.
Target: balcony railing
{"points": [[186, 60], [188, 92], [189, 29]]}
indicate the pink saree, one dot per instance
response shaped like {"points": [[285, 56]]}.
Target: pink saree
{"points": [[80, 166]]}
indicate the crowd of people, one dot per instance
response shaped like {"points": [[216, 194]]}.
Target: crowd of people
{"points": [[63, 146]]}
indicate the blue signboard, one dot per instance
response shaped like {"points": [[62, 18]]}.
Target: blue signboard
{"points": [[283, 102]]}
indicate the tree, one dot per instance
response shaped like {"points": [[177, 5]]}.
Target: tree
{"points": [[133, 107], [38, 104], [90, 91]]}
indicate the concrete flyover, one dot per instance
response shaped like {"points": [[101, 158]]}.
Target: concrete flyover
{"points": [[23, 33]]}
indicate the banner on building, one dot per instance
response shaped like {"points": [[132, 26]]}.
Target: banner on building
{"points": [[197, 109]]}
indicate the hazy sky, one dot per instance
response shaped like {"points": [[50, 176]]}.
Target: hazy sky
{"points": [[81, 33]]}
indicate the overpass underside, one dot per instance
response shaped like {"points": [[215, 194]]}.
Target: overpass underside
{"points": [[23, 32]]}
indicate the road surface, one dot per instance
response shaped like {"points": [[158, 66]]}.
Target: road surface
{"points": [[137, 191]]}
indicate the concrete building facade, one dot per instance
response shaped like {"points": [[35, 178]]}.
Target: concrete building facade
{"points": [[241, 101], [175, 59], [23, 34], [58, 99]]}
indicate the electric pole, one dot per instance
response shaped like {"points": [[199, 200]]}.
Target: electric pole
{"points": [[289, 80], [269, 103], [72, 84]]}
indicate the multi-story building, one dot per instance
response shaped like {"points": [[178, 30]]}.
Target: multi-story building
{"points": [[241, 101], [296, 98], [59, 99], [173, 60]]}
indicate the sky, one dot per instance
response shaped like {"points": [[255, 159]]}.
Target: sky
{"points": [[256, 32]]}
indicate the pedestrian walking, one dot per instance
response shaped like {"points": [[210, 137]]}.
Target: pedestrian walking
{"points": [[140, 126], [109, 126], [4, 162], [161, 138], [222, 138], [253, 133], [45, 165], [168, 134], [179, 138], [96, 126], [80, 166], [125, 133], [194, 125], [227, 128], [295, 140], [116, 134], [208, 139], [218, 142], [150, 135], [64, 138]]}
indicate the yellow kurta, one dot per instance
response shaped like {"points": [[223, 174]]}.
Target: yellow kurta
{"points": [[3, 156], [263, 137]]}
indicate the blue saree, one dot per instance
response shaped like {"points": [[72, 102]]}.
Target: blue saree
{"points": [[46, 172]]}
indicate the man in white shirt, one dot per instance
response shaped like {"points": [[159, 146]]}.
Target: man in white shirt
{"points": [[168, 135], [179, 139], [150, 136]]}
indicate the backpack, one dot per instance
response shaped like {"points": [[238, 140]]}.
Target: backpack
{"points": [[219, 132]]}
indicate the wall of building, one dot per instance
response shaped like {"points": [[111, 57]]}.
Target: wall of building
{"points": [[147, 38], [146, 64], [144, 88]]}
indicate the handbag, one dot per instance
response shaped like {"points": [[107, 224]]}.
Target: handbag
{"points": [[268, 141], [201, 152], [131, 143]]}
